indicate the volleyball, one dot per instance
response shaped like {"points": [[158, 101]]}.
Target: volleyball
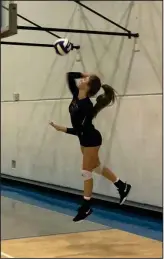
{"points": [[62, 46]]}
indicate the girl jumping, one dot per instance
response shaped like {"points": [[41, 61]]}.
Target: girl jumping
{"points": [[82, 112]]}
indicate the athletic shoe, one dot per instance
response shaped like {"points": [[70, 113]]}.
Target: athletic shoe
{"points": [[83, 212], [124, 193]]}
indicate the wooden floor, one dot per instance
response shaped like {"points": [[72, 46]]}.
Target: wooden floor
{"points": [[95, 244]]}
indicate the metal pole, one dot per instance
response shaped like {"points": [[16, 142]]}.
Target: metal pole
{"points": [[33, 44], [135, 35], [102, 16], [27, 44]]}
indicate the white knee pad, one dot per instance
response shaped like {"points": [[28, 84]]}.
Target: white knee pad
{"points": [[86, 174], [98, 170]]}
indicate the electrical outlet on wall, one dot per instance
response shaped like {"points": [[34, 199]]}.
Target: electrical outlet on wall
{"points": [[16, 97], [13, 164]]}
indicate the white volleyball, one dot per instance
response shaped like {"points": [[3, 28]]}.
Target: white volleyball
{"points": [[62, 46]]}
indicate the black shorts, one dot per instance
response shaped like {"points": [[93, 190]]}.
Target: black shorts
{"points": [[90, 139]]}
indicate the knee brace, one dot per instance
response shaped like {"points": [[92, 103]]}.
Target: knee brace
{"points": [[98, 170], [86, 174]]}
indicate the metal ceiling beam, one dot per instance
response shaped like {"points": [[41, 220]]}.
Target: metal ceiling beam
{"points": [[126, 34], [104, 17]]}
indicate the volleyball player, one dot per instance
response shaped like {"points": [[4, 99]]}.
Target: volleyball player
{"points": [[82, 112]]}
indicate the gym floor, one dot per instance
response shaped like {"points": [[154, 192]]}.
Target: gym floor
{"points": [[36, 225]]}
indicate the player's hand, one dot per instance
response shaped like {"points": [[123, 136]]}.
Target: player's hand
{"points": [[86, 74], [57, 127]]}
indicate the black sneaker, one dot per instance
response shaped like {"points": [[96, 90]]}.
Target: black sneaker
{"points": [[83, 212], [124, 193]]}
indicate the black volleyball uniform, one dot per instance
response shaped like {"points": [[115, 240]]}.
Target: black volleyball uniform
{"points": [[81, 112]]}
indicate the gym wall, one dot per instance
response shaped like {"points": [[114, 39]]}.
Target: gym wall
{"points": [[131, 129]]}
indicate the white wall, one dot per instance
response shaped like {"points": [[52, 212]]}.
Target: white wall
{"points": [[132, 129]]}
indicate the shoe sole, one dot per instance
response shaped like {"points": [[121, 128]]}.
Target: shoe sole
{"points": [[125, 197], [85, 218]]}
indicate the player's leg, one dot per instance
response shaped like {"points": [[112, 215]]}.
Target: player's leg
{"points": [[90, 156]]}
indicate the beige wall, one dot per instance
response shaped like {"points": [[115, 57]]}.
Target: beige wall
{"points": [[132, 129]]}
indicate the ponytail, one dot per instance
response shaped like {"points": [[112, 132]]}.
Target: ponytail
{"points": [[103, 100]]}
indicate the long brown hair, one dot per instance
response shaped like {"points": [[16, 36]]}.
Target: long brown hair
{"points": [[103, 100]]}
